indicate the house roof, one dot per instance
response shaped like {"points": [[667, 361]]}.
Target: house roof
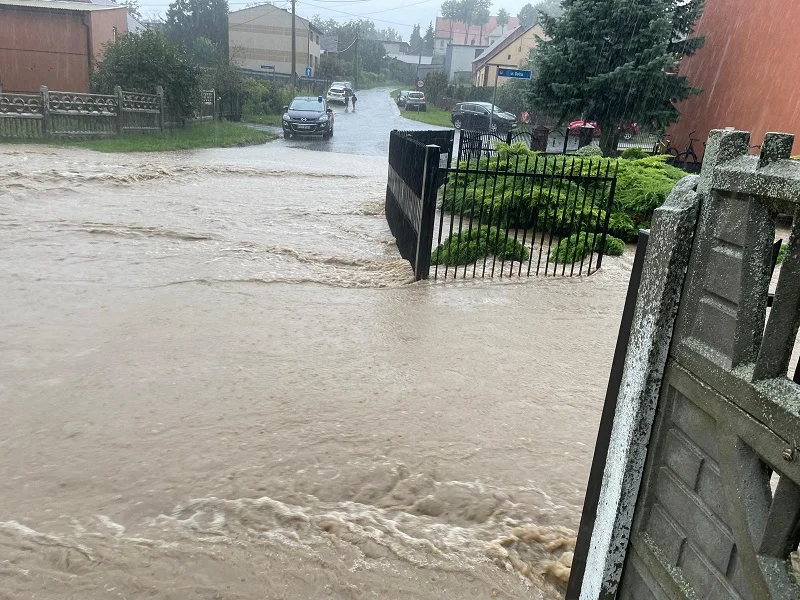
{"points": [[412, 59], [58, 5], [134, 25], [502, 43], [460, 32], [305, 22]]}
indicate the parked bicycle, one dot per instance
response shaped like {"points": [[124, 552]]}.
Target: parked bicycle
{"points": [[688, 155], [664, 146]]}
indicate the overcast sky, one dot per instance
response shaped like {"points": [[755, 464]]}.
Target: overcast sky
{"points": [[385, 13]]}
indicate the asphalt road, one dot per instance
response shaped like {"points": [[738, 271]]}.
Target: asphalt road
{"points": [[364, 130]]}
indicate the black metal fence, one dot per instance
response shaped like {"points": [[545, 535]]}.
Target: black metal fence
{"points": [[411, 192], [512, 213]]}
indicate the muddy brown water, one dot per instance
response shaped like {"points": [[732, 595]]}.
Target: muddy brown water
{"points": [[217, 381]]}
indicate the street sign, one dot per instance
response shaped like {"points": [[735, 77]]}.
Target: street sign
{"points": [[513, 73], [420, 83], [268, 67], [308, 71]]}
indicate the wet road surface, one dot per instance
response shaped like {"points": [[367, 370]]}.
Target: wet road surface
{"points": [[364, 130], [217, 381]]}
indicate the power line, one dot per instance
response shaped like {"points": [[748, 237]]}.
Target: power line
{"points": [[355, 15]]}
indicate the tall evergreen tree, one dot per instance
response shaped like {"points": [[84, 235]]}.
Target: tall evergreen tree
{"points": [[188, 20], [428, 41], [415, 41], [619, 68]]}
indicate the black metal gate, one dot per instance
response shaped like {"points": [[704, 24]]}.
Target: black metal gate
{"points": [[414, 158], [506, 212]]}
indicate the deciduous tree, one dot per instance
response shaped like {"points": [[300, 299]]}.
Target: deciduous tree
{"points": [[502, 19]]}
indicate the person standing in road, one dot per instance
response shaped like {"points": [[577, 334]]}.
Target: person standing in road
{"points": [[347, 98], [354, 99]]}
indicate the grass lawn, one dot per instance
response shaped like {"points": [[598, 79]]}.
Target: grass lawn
{"points": [[275, 120], [214, 134], [432, 116]]}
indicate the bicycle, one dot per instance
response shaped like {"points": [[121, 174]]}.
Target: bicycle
{"points": [[683, 157], [664, 146]]}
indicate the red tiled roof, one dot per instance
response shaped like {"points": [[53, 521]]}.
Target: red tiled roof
{"points": [[462, 36]]}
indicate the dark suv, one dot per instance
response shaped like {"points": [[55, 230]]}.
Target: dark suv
{"points": [[475, 116], [308, 115]]}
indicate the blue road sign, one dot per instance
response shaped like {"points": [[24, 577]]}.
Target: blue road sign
{"points": [[513, 73], [308, 71]]}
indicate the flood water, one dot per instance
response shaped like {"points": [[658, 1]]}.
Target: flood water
{"points": [[217, 381]]}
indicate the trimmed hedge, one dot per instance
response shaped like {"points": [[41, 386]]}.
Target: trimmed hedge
{"points": [[633, 154], [475, 244], [589, 151], [578, 245]]}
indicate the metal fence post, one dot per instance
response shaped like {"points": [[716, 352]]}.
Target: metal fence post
{"points": [[592, 498], [118, 93], [45, 99], [430, 179], [160, 94], [607, 220]]}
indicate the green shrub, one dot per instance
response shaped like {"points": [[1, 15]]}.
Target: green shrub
{"points": [[475, 244], [622, 226], [138, 62], [487, 192], [589, 151], [634, 154], [781, 254], [642, 186], [614, 246], [264, 97], [578, 245]]}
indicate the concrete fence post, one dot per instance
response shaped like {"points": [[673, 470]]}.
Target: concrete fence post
{"points": [[45, 100], [120, 114], [160, 93]]}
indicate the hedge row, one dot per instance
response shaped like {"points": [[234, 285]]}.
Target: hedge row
{"points": [[554, 204]]}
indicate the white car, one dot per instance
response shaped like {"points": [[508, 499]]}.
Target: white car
{"points": [[336, 94]]}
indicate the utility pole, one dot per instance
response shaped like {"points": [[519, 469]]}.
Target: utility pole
{"points": [[294, 44], [355, 60]]}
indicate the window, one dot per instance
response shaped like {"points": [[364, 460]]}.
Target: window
{"points": [[509, 57], [114, 34], [316, 39]]}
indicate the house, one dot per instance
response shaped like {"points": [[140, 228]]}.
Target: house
{"points": [[54, 43], [748, 71], [458, 61], [134, 25], [396, 47], [456, 32], [509, 51], [260, 39]]}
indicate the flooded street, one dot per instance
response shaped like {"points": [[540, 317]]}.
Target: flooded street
{"points": [[217, 381]]}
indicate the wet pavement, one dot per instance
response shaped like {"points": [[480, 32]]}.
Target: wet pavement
{"points": [[364, 130], [217, 380]]}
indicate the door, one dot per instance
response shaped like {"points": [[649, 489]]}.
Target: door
{"points": [[480, 118]]}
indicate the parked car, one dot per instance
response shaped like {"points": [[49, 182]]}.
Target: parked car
{"points": [[336, 94], [402, 97], [416, 101], [308, 115], [476, 116], [627, 131]]}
